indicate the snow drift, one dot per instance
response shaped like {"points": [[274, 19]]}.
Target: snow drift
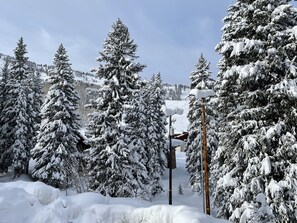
{"points": [[35, 202]]}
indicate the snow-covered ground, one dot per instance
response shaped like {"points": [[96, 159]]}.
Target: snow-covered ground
{"points": [[24, 201]]}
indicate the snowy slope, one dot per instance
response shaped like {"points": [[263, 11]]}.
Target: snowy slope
{"points": [[23, 201], [84, 77]]}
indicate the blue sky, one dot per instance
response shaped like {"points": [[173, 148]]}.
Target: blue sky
{"points": [[171, 34]]}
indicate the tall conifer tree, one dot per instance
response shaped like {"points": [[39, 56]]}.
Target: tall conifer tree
{"points": [[157, 104], [36, 102], [15, 133], [3, 84], [135, 138], [110, 164], [200, 80], [5, 156], [155, 121], [257, 152], [55, 151]]}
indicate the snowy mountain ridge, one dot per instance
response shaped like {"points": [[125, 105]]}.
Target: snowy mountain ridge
{"points": [[175, 95], [85, 77], [173, 91]]}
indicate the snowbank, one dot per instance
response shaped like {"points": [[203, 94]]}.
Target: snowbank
{"points": [[35, 202], [23, 201]]}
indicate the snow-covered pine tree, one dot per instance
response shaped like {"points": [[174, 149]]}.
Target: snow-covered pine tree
{"points": [[36, 101], [155, 122], [214, 131], [257, 152], [15, 117], [154, 186], [5, 157], [159, 117], [33, 108], [135, 137], [55, 151], [200, 80], [3, 84], [110, 164]]}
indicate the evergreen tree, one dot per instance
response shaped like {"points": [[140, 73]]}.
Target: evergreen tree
{"points": [[3, 84], [134, 134], [159, 119], [36, 101], [155, 121], [200, 80], [5, 157], [110, 164], [257, 152], [15, 141], [55, 152]]}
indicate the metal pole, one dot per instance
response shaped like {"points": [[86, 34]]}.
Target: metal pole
{"points": [[205, 159], [170, 161]]}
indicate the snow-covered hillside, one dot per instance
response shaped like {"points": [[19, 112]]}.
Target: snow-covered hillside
{"points": [[84, 77], [24, 201], [85, 80]]}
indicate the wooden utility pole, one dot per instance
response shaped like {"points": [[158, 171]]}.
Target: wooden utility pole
{"points": [[170, 160], [202, 179], [205, 159]]}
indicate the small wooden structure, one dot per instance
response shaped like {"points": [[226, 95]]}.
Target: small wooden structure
{"points": [[182, 136]]}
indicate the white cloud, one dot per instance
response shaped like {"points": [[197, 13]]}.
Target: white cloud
{"points": [[46, 40], [9, 35], [170, 35]]}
